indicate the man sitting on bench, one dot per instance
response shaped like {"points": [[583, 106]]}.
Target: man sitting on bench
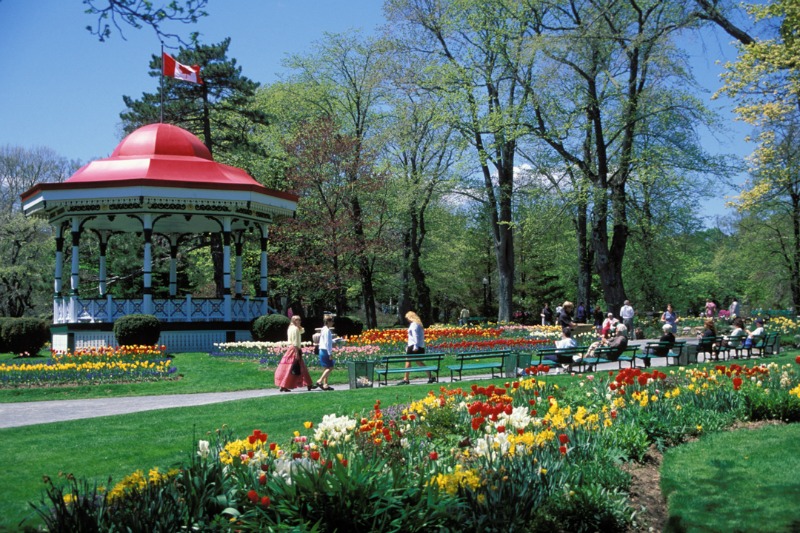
{"points": [[619, 341]]}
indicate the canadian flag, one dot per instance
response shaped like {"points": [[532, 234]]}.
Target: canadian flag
{"points": [[173, 69]]}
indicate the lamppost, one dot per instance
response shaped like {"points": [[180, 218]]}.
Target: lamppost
{"points": [[485, 300]]}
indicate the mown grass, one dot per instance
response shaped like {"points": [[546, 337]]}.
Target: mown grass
{"points": [[745, 480], [197, 372], [115, 446], [118, 445]]}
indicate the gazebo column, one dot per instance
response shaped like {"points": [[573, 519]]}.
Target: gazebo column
{"points": [[147, 291], [173, 265], [103, 236], [263, 287], [226, 266], [239, 237], [74, 278], [57, 281]]}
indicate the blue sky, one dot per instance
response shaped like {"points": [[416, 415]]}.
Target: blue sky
{"points": [[63, 89]]}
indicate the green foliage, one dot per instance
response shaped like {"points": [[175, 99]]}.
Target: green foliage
{"points": [[586, 508], [24, 336], [367, 495], [761, 405], [270, 328], [3, 343], [131, 330], [628, 442]]}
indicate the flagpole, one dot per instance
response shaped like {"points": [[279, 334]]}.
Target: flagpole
{"points": [[161, 108]]}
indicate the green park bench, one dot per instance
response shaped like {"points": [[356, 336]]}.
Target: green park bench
{"points": [[396, 364]]}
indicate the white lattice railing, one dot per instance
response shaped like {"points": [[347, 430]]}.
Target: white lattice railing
{"points": [[89, 310]]}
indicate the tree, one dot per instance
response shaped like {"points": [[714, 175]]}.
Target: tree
{"points": [[22, 168], [26, 245], [476, 55], [423, 154], [140, 13], [318, 248], [764, 81], [347, 72], [605, 61]]}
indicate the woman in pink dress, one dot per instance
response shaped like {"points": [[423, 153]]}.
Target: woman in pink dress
{"points": [[284, 378]]}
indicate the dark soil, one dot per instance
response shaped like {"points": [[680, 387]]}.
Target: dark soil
{"points": [[645, 492]]}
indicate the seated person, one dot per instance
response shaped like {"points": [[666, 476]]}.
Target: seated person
{"points": [[667, 339], [735, 337], [618, 341], [565, 342], [758, 332], [706, 342], [608, 326]]}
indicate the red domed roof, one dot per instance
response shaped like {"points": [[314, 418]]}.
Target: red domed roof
{"points": [[161, 139], [161, 155]]}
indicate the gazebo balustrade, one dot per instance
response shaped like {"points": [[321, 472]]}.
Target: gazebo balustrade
{"points": [[72, 310]]}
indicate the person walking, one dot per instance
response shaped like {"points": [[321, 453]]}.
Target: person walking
{"points": [[734, 310], [292, 371], [670, 317], [416, 344], [626, 313], [326, 352]]}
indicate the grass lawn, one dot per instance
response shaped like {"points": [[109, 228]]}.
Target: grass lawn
{"points": [[745, 480], [116, 446]]}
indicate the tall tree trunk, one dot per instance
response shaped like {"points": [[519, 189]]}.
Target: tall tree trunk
{"points": [[424, 306], [364, 268], [795, 264], [423, 292], [403, 299], [584, 260], [500, 211], [608, 259]]}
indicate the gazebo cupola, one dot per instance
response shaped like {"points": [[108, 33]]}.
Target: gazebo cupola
{"points": [[160, 179]]}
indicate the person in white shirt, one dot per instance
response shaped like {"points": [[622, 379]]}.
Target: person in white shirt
{"points": [[416, 344], [756, 333], [326, 352], [626, 314]]}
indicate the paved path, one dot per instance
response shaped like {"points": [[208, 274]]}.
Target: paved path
{"points": [[45, 412]]}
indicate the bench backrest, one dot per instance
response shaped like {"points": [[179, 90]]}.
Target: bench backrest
{"points": [[411, 357]]}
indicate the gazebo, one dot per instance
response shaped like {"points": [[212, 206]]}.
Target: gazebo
{"points": [[160, 179]]}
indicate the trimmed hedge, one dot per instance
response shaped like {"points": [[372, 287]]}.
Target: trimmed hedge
{"points": [[137, 330], [23, 336], [270, 328]]}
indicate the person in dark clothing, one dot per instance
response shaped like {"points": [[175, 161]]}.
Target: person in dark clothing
{"points": [[669, 338], [580, 314], [547, 315], [565, 317], [598, 318]]}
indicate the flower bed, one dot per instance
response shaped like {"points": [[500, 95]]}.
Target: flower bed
{"points": [[525, 455], [91, 366]]}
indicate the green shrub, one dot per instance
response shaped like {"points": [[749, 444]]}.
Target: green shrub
{"points": [[136, 330], [3, 343], [347, 326], [24, 336], [270, 328]]}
